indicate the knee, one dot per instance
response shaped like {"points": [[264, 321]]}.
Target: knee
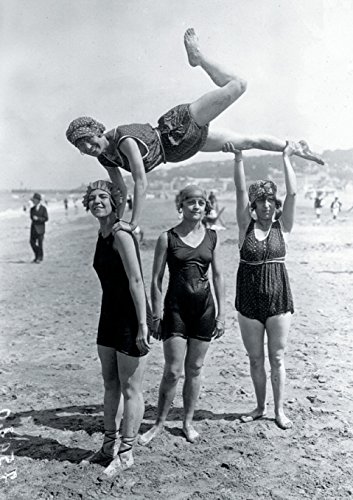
{"points": [[277, 360], [171, 375], [193, 370], [111, 383], [257, 362], [131, 391], [237, 87]]}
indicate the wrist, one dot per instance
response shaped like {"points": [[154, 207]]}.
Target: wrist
{"points": [[132, 225]]}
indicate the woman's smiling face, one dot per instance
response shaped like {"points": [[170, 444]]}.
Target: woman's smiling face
{"points": [[99, 203]]}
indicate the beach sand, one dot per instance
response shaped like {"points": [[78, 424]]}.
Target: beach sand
{"points": [[50, 375]]}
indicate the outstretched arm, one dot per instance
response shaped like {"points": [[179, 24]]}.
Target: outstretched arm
{"points": [[219, 288], [117, 179], [159, 263], [243, 215], [125, 246], [291, 190], [131, 150]]}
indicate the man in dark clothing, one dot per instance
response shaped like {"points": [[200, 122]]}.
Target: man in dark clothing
{"points": [[39, 217]]}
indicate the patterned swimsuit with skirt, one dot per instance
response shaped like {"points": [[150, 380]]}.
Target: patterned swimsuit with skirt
{"points": [[189, 309], [263, 288], [118, 323]]}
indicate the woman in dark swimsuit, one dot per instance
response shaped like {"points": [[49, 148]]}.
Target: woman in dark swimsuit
{"points": [[263, 297], [123, 330], [189, 320], [180, 134]]}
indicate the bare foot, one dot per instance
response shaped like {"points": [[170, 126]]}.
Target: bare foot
{"points": [[190, 433], [283, 422], [191, 43], [253, 415], [150, 434], [302, 149]]}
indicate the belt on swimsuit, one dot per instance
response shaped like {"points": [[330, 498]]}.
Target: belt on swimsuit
{"points": [[280, 260], [161, 144]]}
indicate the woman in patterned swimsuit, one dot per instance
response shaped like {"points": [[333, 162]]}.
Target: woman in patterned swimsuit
{"points": [[189, 320], [180, 134], [263, 296], [123, 331]]}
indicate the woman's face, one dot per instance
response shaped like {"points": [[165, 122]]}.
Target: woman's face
{"points": [[265, 208], [194, 208], [93, 146], [99, 203]]}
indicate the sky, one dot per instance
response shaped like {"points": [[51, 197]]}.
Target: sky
{"points": [[124, 61]]}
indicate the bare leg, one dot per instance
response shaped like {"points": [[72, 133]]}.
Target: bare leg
{"points": [[277, 328], [218, 138], [174, 353], [195, 356], [131, 371], [253, 332], [212, 104], [113, 407]]}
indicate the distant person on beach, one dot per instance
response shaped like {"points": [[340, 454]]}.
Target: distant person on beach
{"points": [[190, 320], [129, 202], [123, 331], [39, 216], [180, 134], [66, 204], [318, 203], [336, 207], [263, 295]]}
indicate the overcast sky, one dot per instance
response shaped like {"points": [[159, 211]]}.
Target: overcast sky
{"points": [[123, 61]]}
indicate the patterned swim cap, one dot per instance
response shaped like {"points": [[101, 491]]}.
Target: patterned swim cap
{"points": [[85, 126], [192, 191], [108, 187], [261, 189]]}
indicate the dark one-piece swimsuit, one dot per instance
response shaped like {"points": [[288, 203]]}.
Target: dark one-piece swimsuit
{"points": [[189, 309], [118, 323], [263, 288]]}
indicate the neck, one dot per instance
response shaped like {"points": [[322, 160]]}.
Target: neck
{"points": [[106, 223], [190, 226], [264, 224]]}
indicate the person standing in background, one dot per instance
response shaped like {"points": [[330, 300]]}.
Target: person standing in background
{"points": [[39, 216]]}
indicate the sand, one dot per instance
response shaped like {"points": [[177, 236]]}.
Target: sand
{"points": [[50, 376]]}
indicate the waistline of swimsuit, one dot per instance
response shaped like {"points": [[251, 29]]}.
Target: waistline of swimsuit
{"points": [[280, 260], [161, 144]]}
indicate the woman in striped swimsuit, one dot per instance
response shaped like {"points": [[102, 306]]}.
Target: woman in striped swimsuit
{"points": [[179, 135], [263, 295]]}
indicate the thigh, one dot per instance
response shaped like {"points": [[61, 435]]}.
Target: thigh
{"points": [[196, 353], [108, 359], [253, 333], [277, 328], [217, 138], [131, 370]]}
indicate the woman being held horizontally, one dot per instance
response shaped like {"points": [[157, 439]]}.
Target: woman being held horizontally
{"points": [[123, 332], [263, 295], [189, 320]]}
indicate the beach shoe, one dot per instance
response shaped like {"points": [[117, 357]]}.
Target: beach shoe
{"points": [[99, 457], [124, 460]]}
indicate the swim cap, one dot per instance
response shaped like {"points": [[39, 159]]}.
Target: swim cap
{"points": [[84, 126], [108, 187], [261, 189]]}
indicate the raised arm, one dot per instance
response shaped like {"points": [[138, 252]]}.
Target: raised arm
{"points": [[243, 215], [131, 150], [159, 263], [125, 245], [291, 190], [219, 288]]}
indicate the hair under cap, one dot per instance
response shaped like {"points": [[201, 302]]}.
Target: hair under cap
{"points": [[108, 187], [84, 126], [261, 189], [192, 191]]}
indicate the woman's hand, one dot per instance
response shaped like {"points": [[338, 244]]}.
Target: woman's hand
{"points": [[157, 329], [230, 148], [290, 149], [122, 226], [220, 328], [142, 339]]}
